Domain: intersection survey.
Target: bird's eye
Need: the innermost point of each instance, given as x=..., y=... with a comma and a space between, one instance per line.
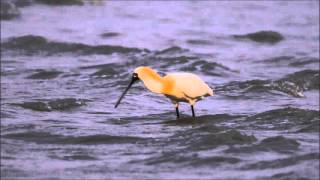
x=135, y=75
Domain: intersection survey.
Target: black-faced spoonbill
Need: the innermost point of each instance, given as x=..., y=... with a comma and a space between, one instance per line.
x=178, y=87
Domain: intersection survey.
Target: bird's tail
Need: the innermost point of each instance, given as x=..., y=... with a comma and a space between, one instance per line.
x=210, y=91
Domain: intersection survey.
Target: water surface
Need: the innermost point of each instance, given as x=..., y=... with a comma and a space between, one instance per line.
x=63, y=68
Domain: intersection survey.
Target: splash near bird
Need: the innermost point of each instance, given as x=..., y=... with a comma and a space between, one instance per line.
x=178, y=87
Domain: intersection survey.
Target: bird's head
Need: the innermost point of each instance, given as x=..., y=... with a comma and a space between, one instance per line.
x=145, y=74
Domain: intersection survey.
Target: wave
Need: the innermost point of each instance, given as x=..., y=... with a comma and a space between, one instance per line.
x=163, y=64
x=200, y=42
x=277, y=143
x=110, y=34
x=245, y=89
x=33, y=45
x=292, y=84
x=299, y=120
x=206, y=119
x=203, y=137
x=45, y=74
x=82, y=157
x=289, y=175
x=179, y=60
x=187, y=160
x=208, y=68
x=107, y=70
x=9, y=10
x=66, y=2
x=281, y=163
x=57, y=104
x=306, y=79
x=291, y=61
x=174, y=56
x=185, y=60
x=171, y=50
x=20, y=3
x=289, y=119
x=48, y=138
x=214, y=161
x=210, y=136
x=262, y=36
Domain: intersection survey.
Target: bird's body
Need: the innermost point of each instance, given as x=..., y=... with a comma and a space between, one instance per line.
x=178, y=87
x=186, y=87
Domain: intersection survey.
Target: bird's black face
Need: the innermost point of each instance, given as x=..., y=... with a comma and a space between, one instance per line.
x=133, y=79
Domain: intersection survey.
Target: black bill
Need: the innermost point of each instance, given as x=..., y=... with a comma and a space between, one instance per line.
x=134, y=79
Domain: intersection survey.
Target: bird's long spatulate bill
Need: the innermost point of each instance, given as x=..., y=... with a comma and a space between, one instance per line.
x=124, y=93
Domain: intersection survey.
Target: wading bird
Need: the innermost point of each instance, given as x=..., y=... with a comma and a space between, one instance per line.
x=178, y=87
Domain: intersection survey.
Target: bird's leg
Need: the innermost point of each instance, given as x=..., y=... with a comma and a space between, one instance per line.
x=177, y=110
x=193, y=115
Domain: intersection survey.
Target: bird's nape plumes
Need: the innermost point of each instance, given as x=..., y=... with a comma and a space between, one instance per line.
x=210, y=92
x=150, y=78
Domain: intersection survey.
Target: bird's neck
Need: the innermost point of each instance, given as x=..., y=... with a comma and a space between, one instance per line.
x=153, y=81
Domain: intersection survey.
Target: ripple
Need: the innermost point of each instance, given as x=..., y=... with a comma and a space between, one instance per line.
x=57, y=104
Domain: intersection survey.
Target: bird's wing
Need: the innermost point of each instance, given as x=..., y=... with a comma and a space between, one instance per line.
x=191, y=85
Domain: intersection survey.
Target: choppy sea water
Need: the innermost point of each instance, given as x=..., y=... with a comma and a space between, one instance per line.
x=63, y=68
